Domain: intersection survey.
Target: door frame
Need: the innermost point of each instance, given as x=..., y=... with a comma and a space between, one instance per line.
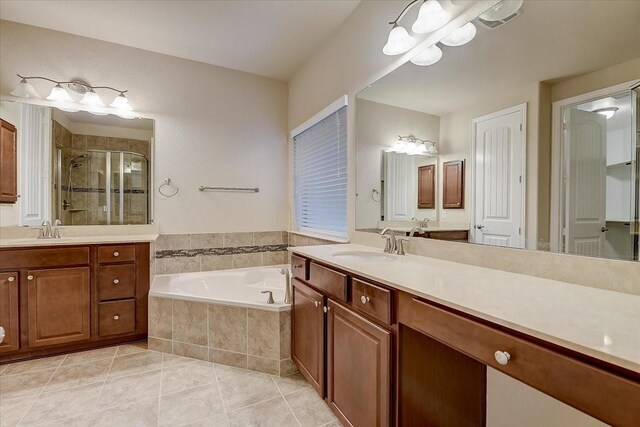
x=557, y=157
x=522, y=109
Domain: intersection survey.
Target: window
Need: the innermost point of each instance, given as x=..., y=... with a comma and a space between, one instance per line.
x=320, y=175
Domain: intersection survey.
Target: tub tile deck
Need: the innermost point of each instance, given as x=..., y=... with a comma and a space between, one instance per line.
x=146, y=388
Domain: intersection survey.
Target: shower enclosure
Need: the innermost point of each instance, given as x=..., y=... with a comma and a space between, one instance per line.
x=94, y=187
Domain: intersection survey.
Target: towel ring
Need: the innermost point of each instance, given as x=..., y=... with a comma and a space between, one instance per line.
x=167, y=183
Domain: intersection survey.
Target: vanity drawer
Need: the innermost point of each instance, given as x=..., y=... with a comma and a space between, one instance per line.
x=116, y=253
x=44, y=257
x=117, y=317
x=329, y=281
x=116, y=281
x=300, y=267
x=602, y=394
x=371, y=299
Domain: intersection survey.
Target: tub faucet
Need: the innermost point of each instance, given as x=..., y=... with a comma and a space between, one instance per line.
x=287, y=284
x=270, y=297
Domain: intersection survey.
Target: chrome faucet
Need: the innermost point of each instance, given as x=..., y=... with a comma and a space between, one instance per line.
x=56, y=231
x=287, y=284
x=45, y=231
x=414, y=230
x=390, y=246
x=424, y=223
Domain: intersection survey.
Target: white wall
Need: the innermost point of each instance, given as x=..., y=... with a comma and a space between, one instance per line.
x=10, y=213
x=378, y=127
x=213, y=126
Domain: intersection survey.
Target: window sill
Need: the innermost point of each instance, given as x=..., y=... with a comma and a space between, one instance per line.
x=320, y=236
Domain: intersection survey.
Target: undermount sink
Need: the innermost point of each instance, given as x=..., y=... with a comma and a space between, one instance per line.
x=365, y=256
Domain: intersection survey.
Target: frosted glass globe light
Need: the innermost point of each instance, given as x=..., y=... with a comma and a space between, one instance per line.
x=429, y=56
x=431, y=16
x=399, y=41
x=121, y=103
x=25, y=90
x=91, y=99
x=58, y=94
x=461, y=36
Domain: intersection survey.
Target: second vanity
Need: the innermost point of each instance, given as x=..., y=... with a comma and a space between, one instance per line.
x=407, y=340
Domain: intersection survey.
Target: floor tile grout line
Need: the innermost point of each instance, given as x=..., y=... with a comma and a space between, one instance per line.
x=41, y=390
x=254, y=404
x=286, y=402
x=162, y=376
x=224, y=405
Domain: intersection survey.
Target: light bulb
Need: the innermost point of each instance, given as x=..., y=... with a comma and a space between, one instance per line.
x=25, y=90
x=429, y=56
x=461, y=36
x=121, y=103
x=399, y=41
x=502, y=10
x=91, y=99
x=430, y=17
x=58, y=94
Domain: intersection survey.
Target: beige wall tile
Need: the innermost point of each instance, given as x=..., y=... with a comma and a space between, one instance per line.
x=228, y=328
x=274, y=258
x=247, y=260
x=160, y=316
x=228, y=358
x=190, y=350
x=262, y=364
x=173, y=241
x=160, y=264
x=207, y=240
x=190, y=322
x=269, y=238
x=158, y=344
x=232, y=240
x=263, y=333
x=216, y=262
x=181, y=265
x=285, y=334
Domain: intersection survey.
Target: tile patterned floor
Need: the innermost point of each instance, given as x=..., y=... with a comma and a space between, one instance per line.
x=129, y=385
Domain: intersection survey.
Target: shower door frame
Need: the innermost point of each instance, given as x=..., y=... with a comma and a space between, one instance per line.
x=107, y=189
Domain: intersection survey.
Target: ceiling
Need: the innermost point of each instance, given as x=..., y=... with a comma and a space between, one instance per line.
x=266, y=37
x=550, y=41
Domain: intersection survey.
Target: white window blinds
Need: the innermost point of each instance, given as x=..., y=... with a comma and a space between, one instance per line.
x=320, y=176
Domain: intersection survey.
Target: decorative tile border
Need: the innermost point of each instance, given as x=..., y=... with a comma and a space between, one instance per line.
x=100, y=190
x=189, y=253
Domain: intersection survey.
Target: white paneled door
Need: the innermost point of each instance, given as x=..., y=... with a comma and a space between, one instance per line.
x=586, y=158
x=498, y=175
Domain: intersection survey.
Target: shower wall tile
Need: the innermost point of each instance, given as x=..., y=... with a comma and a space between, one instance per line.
x=78, y=141
x=216, y=262
x=182, y=265
x=274, y=258
x=247, y=260
x=118, y=144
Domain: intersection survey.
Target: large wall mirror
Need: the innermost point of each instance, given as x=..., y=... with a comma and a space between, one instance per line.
x=525, y=137
x=81, y=168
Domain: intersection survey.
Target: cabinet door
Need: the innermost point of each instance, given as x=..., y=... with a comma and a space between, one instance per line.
x=9, y=311
x=358, y=368
x=307, y=334
x=8, y=163
x=426, y=187
x=453, y=185
x=58, y=301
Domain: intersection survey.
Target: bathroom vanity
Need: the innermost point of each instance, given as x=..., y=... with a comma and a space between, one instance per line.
x=61, y=295
x=407, y=340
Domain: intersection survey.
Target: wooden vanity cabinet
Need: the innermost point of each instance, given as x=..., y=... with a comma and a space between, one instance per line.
x=63, y=298
x=9, y=309
x=8, y=163
x=344, y=350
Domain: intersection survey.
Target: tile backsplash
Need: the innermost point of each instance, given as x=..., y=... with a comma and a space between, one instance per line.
x=182, y=253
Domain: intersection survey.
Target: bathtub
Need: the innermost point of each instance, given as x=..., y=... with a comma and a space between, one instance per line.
x=239, y=287
x=222, y=317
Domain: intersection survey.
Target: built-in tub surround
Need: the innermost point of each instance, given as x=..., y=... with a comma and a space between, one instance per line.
x=223, y=317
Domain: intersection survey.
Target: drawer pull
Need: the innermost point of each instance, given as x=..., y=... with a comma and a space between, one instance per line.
x=11, y=279
x=116, y=317
x=317, y=303
x=364, y=299
x=30, y=277
x=116, y=253
x=502, y=357
x=295, y=266
x=116, y=281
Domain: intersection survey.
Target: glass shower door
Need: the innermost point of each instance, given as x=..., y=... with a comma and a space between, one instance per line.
x=135, y=189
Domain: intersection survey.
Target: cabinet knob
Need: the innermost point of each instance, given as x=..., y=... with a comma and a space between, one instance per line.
x=116, y=281
x=502, y=357
x=11, y=279
x=364, y=299
x=30, y=277
x=295, y=266
x=317, y=303
x=326, y=309
x=116, y=253
x=116, y=317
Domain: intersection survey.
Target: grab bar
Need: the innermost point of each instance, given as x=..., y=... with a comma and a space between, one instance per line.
x=230, y=189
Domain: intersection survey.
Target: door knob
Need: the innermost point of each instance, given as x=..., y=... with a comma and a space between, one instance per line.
x=604, y=229
x=116, y=317
x=502, y=357
x=326, y=309
x=479, y=227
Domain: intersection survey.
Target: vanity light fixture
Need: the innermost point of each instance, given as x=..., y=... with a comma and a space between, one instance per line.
x=429, y=56
x=431, y=16
x=399, y=41
x=462, y=35
x=414, y=146
x=608, y=112
x=90, y=98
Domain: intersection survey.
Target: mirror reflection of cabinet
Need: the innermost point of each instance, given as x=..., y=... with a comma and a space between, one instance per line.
x=453, y=185
x=8, y=163
x=426, y=187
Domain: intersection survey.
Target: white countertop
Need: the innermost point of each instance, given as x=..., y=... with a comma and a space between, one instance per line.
x=599, y=323
x=76, y=240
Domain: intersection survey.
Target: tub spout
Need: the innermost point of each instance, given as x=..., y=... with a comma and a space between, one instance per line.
x=287, y=285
